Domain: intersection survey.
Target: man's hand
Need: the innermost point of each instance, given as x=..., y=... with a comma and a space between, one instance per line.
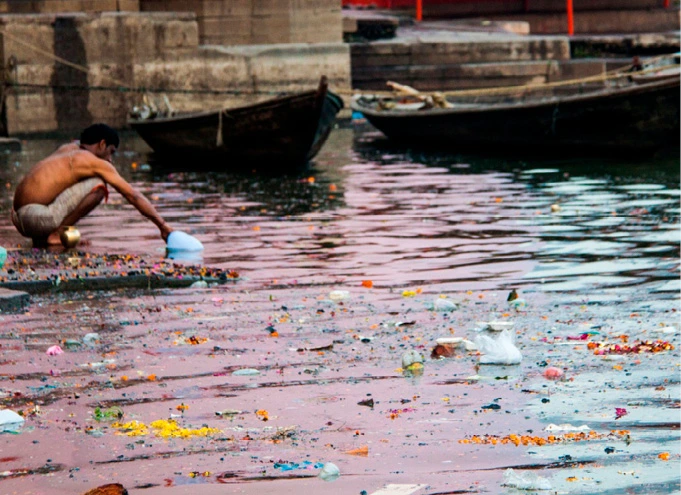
x=165, y=231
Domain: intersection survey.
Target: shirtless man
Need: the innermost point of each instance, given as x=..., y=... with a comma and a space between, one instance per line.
x=67, y=185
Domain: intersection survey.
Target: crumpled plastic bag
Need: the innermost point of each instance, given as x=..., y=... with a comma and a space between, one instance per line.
x=498, y=351
x=525, y=481
x=10, y=421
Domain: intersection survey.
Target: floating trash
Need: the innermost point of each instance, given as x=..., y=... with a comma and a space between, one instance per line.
x=444, y=305
x=647, y=346
x=566, y=427
x=228, y=412
x=329, y=472
x=339, y=295
x=91, y=339
x=55, y=350
x=412, y=359
x=525, y=481
x=517, y=440
x=553, y=373
x=498, y=351
x=108, y=414
x=10, y=421
x=495, y=326
x=290, y=466
x=246, y=372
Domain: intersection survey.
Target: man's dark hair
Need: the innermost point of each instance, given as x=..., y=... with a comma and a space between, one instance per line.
x=96, y=132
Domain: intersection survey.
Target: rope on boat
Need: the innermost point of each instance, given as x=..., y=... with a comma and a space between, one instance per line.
x=218, y=138
x=124, y=87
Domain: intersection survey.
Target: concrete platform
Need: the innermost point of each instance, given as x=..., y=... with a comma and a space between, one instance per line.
x=12, y=300
x=37, y=271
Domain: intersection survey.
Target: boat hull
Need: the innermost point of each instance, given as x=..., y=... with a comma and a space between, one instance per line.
x=636, y=117
x=281, y=134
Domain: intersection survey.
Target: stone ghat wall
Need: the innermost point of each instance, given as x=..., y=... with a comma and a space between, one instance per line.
x=247, y=22
x=142, y=50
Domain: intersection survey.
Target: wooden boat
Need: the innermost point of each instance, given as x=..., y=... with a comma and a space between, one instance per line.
x=277, y=135
x=625, y=116
x=663, y=68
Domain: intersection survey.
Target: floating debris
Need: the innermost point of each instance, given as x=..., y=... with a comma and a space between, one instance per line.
x=647, y=346
x=539, y=441
x=163, y=428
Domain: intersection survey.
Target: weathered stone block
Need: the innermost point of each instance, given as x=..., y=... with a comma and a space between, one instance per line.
x=267, y=29
x=271, y=8
x=30, y=112
x=306, y=28
x=221, y=8
x=577, y=69
x=225, y=30
x=29, y=39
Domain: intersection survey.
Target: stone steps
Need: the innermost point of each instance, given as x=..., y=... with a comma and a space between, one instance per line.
x=468, y=62
x=474, y=75
x=617, y=21
x=447, y=50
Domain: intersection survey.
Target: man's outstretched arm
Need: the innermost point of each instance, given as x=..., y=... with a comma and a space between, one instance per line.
x=111, y=176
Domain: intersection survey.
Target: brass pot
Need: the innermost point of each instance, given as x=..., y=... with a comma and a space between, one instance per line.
x=69, y=237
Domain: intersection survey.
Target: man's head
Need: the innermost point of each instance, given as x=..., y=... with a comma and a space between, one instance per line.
x=101, y=140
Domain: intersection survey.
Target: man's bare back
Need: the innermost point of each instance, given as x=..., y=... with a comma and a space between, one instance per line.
x=49, y=177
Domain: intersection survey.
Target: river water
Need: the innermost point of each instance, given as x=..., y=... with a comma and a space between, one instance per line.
x=590, y=244
x=401, y=217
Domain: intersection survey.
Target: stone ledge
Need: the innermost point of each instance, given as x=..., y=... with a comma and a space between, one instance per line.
x=10, y=144
x=37, y=271
x=12, y=300
x=101, y=283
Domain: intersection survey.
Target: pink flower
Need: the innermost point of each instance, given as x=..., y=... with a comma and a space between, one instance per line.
x=553, y=373
x=54, y=351
x=619, y=412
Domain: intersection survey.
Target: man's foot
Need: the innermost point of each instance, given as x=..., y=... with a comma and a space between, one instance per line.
x=53, y=239
x=43, y=242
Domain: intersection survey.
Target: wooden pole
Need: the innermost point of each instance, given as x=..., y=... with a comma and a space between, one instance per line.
x=570, y=18
x=419, y=10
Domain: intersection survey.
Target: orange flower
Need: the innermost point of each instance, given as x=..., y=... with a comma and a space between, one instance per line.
x=664, y=456
x=367, y=283
x=182, y=407
x=151, y=378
